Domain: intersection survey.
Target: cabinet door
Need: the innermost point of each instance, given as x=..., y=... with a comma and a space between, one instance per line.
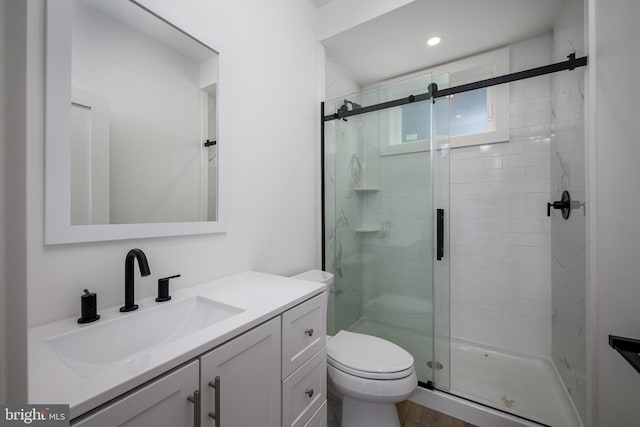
x=160, y=403
x=248, y=368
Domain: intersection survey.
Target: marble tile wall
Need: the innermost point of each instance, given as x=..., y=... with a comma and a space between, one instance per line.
x=568, y=244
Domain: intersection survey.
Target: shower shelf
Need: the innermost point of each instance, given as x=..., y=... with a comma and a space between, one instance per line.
x=366, y=189
x=368, y=229
x=628, y=348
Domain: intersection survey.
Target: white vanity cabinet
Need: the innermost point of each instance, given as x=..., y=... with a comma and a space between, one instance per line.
x=163, y=402
x=240, y=380
x=273, y=375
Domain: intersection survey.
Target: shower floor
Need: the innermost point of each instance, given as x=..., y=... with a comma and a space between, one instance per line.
x=520, y=384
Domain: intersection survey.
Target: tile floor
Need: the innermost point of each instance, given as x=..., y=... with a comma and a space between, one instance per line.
x=414, y=415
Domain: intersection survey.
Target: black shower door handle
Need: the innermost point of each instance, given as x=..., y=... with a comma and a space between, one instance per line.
x=439, y=234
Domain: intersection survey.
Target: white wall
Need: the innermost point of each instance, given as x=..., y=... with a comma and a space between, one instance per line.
x=337, y=82
x=13, y=304
x=155, y=146
x=615, y=271
x=500, y=269
x=269, y=107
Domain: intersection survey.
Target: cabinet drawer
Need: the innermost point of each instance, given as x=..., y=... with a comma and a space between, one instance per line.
x=304, y=392
x=319, y=419
x=304, y=332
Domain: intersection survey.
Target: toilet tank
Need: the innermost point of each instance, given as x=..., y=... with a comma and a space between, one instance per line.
x=326, y=278
x=316, y=276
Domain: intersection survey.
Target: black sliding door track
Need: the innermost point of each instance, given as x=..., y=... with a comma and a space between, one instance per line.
x=569, y=64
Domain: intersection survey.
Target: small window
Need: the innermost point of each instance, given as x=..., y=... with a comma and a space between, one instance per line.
x=476, y=117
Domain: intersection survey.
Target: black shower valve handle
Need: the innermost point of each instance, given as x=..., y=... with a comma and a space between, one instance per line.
x=555, y=205
x=564, y=204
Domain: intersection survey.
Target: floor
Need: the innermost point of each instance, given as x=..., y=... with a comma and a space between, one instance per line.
x=413, y=415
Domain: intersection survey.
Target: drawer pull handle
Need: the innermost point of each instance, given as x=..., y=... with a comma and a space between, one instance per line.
x=215, y=414
x=309, y=392
x=309, y=331
x=195, y=399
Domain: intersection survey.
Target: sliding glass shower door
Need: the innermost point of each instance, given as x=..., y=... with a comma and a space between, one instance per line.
x=386, y=222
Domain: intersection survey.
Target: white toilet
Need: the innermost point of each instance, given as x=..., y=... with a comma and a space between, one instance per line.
x=369, y=374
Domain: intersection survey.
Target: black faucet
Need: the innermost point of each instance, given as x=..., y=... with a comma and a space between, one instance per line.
x=128, y=277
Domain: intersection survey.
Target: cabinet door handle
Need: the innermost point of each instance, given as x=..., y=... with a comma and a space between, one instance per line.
x=309, y=392
x=195, y=399
x=309, y=331
x=215, y=414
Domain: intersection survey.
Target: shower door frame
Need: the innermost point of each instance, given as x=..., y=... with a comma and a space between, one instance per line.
x=434, y=93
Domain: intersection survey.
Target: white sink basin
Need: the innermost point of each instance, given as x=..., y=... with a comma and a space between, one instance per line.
x=94, y=348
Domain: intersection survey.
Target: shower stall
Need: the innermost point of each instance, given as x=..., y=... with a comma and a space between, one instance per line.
x=388, y=209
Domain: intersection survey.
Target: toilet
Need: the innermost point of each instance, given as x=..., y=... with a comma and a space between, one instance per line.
x=368, y=374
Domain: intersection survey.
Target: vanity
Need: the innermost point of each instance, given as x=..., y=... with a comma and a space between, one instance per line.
x=246, y=350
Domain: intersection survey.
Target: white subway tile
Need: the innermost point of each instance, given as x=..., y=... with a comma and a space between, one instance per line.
x=462, y=249
x=536, y=118
x=489, y=175
x=476, y=188
x=538, y=172
x=538, y=145
x=470, y=238
x=526, y=160
x=501, y=148
x=527, y=186
x=476, y=164
x=526, y=239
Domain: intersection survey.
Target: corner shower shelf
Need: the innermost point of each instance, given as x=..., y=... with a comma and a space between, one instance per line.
x=368, y=229
x=628, y=348
x=365, y=190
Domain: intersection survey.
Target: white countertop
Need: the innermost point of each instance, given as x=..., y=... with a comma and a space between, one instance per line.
x=261, y=296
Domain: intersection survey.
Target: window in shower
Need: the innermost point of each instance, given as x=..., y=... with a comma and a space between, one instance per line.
x=469, y=116
x=475, y=117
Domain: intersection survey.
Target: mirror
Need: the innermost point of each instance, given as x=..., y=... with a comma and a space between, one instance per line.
x=132, y=141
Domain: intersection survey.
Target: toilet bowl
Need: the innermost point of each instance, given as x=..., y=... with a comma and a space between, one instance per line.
x=369, y=375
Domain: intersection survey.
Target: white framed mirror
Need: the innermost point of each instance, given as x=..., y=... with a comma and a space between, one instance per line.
x=132, y=125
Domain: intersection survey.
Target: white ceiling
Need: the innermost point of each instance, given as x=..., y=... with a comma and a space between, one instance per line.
x=395, y=43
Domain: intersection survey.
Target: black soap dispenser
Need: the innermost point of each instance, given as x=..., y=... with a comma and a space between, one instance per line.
x=163, y=288
x=88, y=307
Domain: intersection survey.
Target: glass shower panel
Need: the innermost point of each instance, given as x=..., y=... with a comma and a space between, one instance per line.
x=398, y=291
x=380, y=220
x=440, y=130
x=344, y=240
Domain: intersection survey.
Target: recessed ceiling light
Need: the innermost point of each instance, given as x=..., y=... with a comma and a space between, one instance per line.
x=433, y=41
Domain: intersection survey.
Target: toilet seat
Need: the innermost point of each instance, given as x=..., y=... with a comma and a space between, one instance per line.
x=370, y=375
x=366, y=356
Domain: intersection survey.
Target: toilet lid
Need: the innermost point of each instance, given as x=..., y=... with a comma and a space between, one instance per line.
x=366, y=353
